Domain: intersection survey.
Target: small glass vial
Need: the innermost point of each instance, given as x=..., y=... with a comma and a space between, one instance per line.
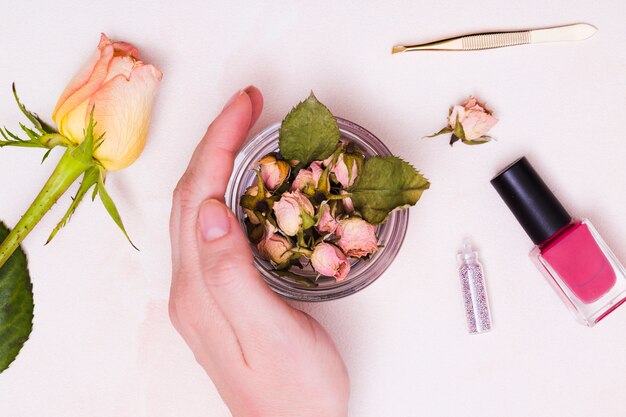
x=474, y=290
x=573, y=257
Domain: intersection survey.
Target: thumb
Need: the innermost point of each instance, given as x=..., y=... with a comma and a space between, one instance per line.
x=229, y=273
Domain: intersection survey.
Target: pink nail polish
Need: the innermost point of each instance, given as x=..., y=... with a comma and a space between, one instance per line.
x=571, y=254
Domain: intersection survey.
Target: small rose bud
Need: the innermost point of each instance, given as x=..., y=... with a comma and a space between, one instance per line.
x=475, y=118
x=274, y=246
x=328, y=260
x=273, y=171
x=307, y=179
x=357, y=237
x=327, y=222
x=346, y=170
x=348, y=206
x=289, y=209
x=250, y=205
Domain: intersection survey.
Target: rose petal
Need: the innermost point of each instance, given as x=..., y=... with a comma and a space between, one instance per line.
x=123, y=114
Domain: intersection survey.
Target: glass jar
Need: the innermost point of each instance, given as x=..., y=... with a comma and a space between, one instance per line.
x=362, y=272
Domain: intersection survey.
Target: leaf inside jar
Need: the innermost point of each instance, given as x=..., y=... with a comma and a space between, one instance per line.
x=309, y=132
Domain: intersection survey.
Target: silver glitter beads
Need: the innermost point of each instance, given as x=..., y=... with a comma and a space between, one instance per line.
x=474, y=291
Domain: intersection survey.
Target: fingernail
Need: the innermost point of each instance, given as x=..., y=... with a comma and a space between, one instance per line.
x=213, y=220
x=233, y=98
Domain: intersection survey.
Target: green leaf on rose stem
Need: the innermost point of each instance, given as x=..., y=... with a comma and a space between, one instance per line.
x=443, y=131
x=90, y=178
x=11, y=139
x=84, y=151
x=475, y=142
x=16, y=304
x=111, y=209
x=46, y=155
x=309, y=132
x=39, y=124
x=386, y=183
x=307, y=220
x=458, y=129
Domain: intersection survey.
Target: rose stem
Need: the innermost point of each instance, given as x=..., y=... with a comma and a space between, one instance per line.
x=64, y=175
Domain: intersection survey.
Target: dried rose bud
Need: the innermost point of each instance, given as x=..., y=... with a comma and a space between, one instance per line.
x=328, y=260
x=273, y=171
x=253, y=216
x=274, y=246
x=347, y=203
x=327, y=222
x=346, y=169
x=307, y=179
x=475, y=118
x=289, y=211
x=357, y=237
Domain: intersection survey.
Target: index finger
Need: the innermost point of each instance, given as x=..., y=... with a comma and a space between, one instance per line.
x=211, y=165
x=213, y=159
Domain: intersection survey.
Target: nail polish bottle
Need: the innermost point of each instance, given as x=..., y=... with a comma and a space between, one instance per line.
x=571, y=254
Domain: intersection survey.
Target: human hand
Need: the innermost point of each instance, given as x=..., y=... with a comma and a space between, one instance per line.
x=265, y=357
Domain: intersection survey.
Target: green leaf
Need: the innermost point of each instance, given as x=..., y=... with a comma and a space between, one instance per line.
x=84, y=151
x=309, y=132
x=11, y=139
x=443, y=131
x=386, y=183
x=90, y=178
x=16, y=304
x=39, y=124
x=458, y=129
x=475, y=142
x=307, y=220
x=111, y=209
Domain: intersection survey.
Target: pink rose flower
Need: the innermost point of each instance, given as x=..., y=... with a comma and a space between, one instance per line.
x=348, y=206
x=345, y=176
x=327, y=222
x=289, y=209
x=274, y=246
x=328, y=260
x=308, y=178
x=121, y=90
x=273, y=171
x=357, y=237
x=475, y=118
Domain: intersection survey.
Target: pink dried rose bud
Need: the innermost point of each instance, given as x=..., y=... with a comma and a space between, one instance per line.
x=328, y=260
x=273, y=171
x=475, y=118
x=348, y=206
x=289, y=210
x=357, y=237
x=345, y=175
x=327, y=222
x=274, y=246
x=307, y=179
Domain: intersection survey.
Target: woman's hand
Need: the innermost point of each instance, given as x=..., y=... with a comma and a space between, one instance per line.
x=265, y=357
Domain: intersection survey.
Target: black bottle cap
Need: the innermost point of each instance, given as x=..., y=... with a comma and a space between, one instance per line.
x=531, y=201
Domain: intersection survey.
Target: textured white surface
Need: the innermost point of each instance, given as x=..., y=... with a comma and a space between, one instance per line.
x=102, y=344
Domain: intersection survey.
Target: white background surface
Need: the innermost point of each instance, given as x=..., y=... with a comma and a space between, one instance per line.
x=102, y=343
